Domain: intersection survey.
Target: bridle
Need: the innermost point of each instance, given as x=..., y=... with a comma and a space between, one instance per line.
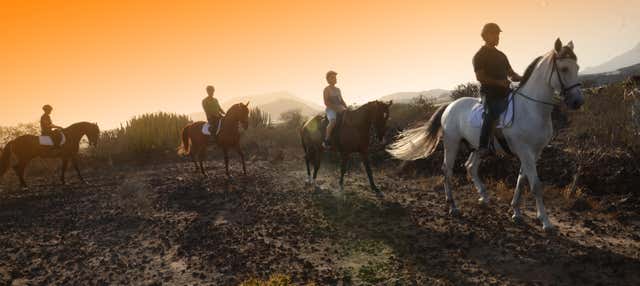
x=564, y=89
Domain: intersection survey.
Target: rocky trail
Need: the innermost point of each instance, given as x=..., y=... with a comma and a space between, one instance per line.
x=166, y=225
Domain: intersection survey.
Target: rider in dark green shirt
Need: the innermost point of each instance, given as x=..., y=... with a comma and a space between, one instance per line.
x=47, y=128
x=213, y=110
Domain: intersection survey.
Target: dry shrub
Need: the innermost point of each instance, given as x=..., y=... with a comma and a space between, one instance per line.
x=274, y=280
x=606, y=120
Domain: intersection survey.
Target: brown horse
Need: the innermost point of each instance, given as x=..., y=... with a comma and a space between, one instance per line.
x=228, y=137
x=27, y=147
x=353, y=137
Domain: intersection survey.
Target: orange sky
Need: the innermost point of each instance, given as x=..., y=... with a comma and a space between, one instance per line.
x=105, y=61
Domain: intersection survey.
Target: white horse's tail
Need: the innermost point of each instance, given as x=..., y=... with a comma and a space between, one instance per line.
x=418, y=142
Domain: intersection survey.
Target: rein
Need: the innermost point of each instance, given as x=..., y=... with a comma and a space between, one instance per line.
x=563, y=91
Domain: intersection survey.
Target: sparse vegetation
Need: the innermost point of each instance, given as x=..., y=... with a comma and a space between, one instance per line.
x=469, y=89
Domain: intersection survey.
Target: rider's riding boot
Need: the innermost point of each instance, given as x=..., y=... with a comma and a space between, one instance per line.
x=485, y=135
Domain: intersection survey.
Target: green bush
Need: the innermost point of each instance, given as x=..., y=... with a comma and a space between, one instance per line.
x=144, y=135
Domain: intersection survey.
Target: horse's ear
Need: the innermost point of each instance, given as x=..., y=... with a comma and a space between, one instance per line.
x=390, y=103
x=558, y=45
x=570, y=45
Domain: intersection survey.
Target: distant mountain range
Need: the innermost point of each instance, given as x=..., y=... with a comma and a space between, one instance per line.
x=274, y=103
x=439, y=96
x=598, y=79
x=628, y=58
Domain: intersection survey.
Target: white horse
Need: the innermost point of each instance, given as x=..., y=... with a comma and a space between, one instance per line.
x=530, y=132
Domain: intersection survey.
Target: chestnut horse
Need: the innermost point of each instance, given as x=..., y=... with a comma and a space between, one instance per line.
x=228, y=137
x=353, y=137
x=27, y=147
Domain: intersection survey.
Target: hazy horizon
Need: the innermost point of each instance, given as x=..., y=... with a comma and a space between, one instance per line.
x=107, y=62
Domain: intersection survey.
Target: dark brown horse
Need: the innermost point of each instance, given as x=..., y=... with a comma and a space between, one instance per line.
x=353, y=137
x=228, y=137
x=27, y=147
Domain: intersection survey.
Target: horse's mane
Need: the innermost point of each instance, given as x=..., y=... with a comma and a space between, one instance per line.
x=234, y=106
x=529, y=71
x=79, y=124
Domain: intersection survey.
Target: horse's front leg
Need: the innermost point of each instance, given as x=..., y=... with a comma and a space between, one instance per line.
x=74, y=161
x=517, y=197
x=63, y=170
x=367, y=167
x=244, y=168
x=226, y=161
x=202, y=156
x=530, y=171
x=344, y=159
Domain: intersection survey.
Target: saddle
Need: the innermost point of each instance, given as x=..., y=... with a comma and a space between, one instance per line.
x=46, y=140
x=505, y=120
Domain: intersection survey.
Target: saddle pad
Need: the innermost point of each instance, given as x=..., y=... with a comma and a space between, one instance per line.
x=205, y=128
x=506, y=117
x=47, y=141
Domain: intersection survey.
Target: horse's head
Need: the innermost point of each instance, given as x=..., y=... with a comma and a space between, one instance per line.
x=239, y=112
x=564, y=75
x=93, y=133
x=380, y=117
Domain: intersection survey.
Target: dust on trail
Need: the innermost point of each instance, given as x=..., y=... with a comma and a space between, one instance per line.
x=165, y=225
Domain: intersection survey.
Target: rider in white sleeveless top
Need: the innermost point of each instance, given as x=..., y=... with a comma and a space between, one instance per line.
x=334, y=105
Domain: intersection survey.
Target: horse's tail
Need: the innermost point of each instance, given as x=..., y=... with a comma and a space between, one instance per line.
x=183, y=150
x=5, y=160
x=419, y=142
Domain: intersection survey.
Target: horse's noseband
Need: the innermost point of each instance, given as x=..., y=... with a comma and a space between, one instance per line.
x=564, y=89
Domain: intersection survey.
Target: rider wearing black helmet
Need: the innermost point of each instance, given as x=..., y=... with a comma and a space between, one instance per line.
x=493, y=71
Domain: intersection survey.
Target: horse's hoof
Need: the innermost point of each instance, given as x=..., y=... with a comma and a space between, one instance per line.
x=549, y=229
x=484, y=201
x=454, y=212
x=517, y=219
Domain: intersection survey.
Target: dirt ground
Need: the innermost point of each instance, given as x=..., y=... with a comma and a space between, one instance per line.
x=166, y=225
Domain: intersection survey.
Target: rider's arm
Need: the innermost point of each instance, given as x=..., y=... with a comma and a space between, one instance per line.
x=486, y=80
x=514, y=76
x=342, y=101
x=220, y=110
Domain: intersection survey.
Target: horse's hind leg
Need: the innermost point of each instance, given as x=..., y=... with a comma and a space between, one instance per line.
x=472, y=165
x=317, y=159
x=19, y=170
x=63, y=170
x=450, y=151
x=517, y=197
x=307, y=155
